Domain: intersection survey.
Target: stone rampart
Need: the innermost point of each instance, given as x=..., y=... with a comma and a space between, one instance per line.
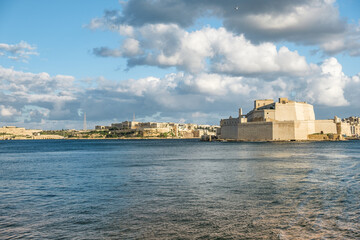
x=325, y=126
x=256, y=131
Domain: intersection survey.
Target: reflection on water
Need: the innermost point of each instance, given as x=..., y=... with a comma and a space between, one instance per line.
x=181, y=189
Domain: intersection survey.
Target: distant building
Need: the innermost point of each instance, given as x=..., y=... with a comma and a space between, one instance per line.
x=12, y=132
x=354, y=125
x=154, y=129
x=125, y=125
x=282, y=120
x=101, y=127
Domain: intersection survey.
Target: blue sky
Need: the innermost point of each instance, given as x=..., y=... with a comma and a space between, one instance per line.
x=180, y=61
x=64, y=45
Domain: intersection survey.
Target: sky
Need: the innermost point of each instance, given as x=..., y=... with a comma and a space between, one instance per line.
x=179, y=61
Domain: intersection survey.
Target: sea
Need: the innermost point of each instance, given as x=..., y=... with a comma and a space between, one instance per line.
x=179, y=189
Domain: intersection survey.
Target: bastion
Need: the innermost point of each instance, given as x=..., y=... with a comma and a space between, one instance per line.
x=284, y=120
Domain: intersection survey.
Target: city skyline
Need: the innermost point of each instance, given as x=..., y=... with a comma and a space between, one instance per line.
x=173, y=61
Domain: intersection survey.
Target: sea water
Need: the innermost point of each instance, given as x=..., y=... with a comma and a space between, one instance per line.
x=179, y=189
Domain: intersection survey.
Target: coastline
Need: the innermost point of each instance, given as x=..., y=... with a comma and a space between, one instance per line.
x=132, y=138
x=215, y=140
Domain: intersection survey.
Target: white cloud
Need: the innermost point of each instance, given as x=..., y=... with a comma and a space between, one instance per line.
x=219, y=64
x=19, y=90
x=208, y=49
x=107, y=52
x=351, y=90
x=8, y=111
x=348, y=42
x=204, y=97
x=328, y=87
x=216, y=85
x=20, y=51
x=199, y=115
x=96, y=23
x=131, y=47
x=309, y=22
x=109, y=22
x=12, y=80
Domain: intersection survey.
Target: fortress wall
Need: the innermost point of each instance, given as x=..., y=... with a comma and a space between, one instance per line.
x=48, y=137
x=261, y=103
x=18, y=131
x=304, y=111
x=12, y=130
x=285, y=112
x=294, y=111
x=256, y=116
x=303, y=129
x=229, y=132
x=283, y=130
x=288, y=121
x=256, y=131
x=325, y=126
x=269, y=114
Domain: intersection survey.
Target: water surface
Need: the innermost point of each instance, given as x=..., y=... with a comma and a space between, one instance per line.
x=179, y=189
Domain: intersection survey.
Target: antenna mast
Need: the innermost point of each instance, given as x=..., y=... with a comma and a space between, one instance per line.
x=85, y=121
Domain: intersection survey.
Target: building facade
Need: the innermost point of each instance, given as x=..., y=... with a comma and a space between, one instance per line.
x=12, y=132
x=279, y=121
x=154, y=129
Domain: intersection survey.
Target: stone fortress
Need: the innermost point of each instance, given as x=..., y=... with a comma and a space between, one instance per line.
x=19, y=133
x=12, y=132
x=284, y=120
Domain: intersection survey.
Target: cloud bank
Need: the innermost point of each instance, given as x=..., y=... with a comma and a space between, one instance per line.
x=217, y=69
x=41, y=98
x=205, y=50
x=309, y=22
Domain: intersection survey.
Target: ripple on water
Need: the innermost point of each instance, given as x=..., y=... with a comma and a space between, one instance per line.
x=179, y=190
